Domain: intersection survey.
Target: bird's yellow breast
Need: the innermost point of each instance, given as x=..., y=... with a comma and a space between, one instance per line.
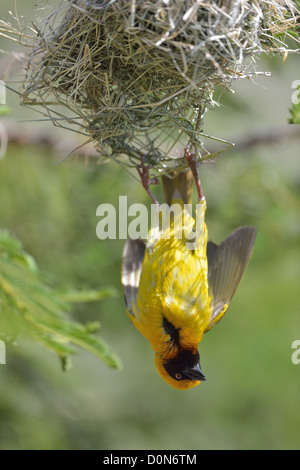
x=173, y=285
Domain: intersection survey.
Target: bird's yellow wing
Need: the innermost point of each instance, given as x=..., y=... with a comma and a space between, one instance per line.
x=226, y=266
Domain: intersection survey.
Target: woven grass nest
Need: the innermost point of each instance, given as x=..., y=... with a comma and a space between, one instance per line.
x=136, y=76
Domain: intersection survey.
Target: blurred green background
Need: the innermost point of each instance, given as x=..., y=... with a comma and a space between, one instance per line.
x=251, y=397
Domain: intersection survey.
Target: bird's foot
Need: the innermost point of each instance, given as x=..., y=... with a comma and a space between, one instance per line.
x=144, y=174
x=191, y=159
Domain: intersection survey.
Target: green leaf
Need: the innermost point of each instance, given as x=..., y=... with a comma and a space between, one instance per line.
x=89, y=295
x=31, y=308
x=295, y=110
x=4, y=110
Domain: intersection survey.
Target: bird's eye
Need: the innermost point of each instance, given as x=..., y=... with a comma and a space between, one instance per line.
x=178, y=376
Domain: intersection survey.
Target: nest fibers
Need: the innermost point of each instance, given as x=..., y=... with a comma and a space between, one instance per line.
x=136, y=76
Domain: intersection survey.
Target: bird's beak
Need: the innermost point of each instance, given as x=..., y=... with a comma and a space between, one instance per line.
x=194, y=373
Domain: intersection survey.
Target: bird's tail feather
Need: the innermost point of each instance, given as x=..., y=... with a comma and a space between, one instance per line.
x=182, y=183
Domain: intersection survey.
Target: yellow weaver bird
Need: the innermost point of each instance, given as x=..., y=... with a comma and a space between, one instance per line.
x=174, y=293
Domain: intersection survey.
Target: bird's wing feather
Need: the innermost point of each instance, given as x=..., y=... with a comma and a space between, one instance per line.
x=210, y=252
x=133, y=256
x=226, y=266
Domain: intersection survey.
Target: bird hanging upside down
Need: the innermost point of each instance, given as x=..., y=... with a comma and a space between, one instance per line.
x=174, y=293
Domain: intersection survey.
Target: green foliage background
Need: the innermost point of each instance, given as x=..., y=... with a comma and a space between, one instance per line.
x=251, y=397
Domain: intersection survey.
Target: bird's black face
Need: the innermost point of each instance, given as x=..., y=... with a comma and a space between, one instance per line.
x=185, y=366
